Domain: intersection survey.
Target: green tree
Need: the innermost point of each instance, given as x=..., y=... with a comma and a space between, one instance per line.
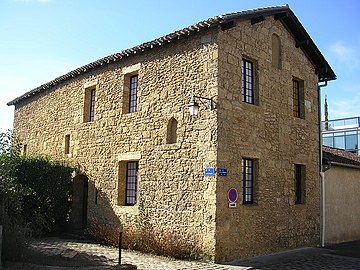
x=11, y=195
x=47, y=203
x=35, y=191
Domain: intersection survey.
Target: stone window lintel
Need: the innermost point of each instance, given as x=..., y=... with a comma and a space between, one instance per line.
x=91, y=84
x=131, y=69
x=129, y=156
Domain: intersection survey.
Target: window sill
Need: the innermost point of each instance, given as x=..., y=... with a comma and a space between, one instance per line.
x=249, y=204
x=129, y=113
x=127, y=209
x=88, y=122
x=251, y=107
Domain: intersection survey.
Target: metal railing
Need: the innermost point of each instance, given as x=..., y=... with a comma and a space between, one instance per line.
x=342, y=123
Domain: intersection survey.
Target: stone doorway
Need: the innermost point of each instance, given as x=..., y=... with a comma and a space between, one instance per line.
x=78, y=216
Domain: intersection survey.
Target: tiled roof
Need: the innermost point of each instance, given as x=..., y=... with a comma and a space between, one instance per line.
x=340, y=156
x=284, y=13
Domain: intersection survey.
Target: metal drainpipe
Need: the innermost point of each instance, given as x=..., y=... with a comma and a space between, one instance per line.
x=322, y=175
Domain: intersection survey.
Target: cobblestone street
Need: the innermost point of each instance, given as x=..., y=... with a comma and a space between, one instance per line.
x=59, y=254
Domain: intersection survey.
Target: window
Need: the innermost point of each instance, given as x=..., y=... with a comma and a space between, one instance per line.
x=133, y=93
x=92, y=105
x=130, y=93
x=24, y=150
x=348, y=140
x=67, y=144
x=89, y=105
x=128, y=178
x=248, y=181
x=351, y=142
x=247, y=72
x=299, y=184
x=171, y=131
x=276, y=51
x=339, y=140
x=131, y=182
x=328, y=140
x=96, y=196
x=298, y=99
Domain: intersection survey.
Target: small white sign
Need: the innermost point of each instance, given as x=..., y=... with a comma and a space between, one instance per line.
x=232, y=205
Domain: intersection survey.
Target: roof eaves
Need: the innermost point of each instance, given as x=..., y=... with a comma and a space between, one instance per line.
x=247, y=14
x=296, y=29
x=305, y=42
x=287, y=17
x=340, y=156
x=206, y=24
x=345, y=165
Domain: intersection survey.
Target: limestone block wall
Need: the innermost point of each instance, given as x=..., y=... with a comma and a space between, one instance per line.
x=268, y=133
x=174, y=197
x=342, y=204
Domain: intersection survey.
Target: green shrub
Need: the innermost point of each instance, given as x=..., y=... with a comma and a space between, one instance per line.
x=11, y=194
x=46, y=204
x=35, y=191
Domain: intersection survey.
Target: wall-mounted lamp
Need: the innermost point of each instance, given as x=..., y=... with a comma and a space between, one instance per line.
x=194, y=106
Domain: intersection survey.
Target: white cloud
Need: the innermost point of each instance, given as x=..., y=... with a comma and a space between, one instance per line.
x=346, y=106
x=341, y=50
x=345, y=54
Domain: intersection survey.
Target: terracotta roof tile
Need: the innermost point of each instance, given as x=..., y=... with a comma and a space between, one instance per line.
x=340, y=156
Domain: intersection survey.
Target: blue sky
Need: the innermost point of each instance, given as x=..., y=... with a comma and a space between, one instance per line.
x=43, y=39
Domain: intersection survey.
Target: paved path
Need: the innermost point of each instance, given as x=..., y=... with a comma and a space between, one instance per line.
x=61, y=254
x=95, y=256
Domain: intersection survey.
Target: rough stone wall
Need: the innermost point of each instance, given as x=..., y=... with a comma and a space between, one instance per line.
x=175, y=200
x=342, y=204
x=270, y=134
x=174, y=196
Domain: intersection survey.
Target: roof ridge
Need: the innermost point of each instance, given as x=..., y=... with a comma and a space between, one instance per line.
x=342, y=154
x=286, y=6
x=212, y=21
x=194, y=28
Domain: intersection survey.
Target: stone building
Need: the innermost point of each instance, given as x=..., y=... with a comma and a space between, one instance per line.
x=143, y=159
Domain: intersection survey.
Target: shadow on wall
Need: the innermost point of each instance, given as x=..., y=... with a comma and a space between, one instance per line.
x=93, y=214
x=78, y=215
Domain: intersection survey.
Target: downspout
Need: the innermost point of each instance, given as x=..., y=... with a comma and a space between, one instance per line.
x=322, y=174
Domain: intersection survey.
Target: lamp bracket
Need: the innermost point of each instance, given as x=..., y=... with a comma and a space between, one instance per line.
x=211, y=101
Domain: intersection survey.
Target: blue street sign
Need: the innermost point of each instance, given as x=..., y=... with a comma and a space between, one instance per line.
x=209, y=171
x=222, y=172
